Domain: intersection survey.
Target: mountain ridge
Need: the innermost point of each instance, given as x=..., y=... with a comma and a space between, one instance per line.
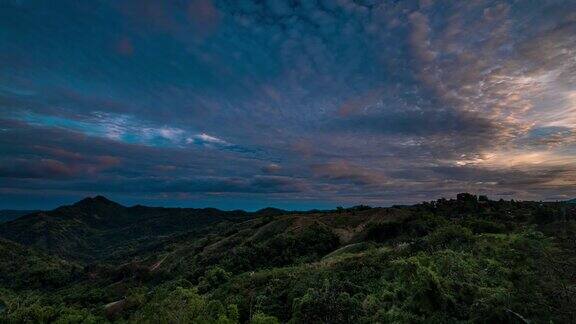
x=467, y=259
x=95, y=225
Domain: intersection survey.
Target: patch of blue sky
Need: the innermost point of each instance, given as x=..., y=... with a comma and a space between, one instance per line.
x=119, y=128
x=125, y=129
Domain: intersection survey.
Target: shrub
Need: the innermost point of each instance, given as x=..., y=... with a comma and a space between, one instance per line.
x=450, y=236
x=212, y=279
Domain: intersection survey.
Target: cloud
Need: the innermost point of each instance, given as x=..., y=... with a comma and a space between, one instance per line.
x=125, y=47
x=419, y=122
x=127, y=129
x=205, y=139
x=550, y=137
x=196, y=185
x=204, y=16
x=345, y=171
x=271, y=168
x=44, y=168
x=333, y=101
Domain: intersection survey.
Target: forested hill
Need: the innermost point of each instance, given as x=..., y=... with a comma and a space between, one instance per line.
x=467, y=259
x=96, y=228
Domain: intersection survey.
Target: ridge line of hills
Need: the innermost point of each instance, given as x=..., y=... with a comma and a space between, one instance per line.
x=7, y=215
x=467, y=259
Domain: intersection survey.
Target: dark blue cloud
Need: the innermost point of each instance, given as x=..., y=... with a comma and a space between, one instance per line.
x=291, y=103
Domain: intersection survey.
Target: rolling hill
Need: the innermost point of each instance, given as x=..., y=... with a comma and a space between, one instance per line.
x=457, y=260
x=30, y=268
x=96, y=228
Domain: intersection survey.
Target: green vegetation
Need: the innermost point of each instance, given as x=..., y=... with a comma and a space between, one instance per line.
x=448, y=261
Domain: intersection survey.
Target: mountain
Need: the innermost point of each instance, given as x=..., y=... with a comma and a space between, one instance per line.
x=450, y=260
x=7, y=215
x=96, y=227
x=270, y=211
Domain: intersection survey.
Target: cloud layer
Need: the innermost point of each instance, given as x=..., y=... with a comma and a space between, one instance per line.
x=242, y=104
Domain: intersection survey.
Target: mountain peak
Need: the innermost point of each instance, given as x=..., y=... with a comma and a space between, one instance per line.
x=270, y=211
x=96, y=200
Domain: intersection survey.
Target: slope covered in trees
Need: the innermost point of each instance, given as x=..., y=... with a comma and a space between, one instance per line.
x=461, y=260
x=97, y=228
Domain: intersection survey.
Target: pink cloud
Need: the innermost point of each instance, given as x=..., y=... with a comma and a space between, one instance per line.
x=125, y=47
x=204, y=17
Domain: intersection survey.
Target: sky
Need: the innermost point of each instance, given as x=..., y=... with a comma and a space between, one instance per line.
x=293, y=104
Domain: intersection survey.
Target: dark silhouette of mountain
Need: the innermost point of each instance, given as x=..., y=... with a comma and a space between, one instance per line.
x=7, y=215
x=270, y=211
x=96, y=227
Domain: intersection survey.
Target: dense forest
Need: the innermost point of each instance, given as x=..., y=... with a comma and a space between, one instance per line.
x=467, y=259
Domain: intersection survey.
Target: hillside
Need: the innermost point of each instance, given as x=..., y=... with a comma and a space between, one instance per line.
x=446, y=261
x=97, y=228
x=24, y=267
